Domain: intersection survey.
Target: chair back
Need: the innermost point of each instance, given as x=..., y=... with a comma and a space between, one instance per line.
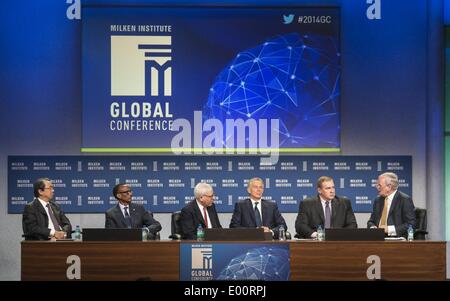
x=421, y=224
x=157, y=236
x=175, y=225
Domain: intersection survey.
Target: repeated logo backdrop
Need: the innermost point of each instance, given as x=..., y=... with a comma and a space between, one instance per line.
x=83, y=184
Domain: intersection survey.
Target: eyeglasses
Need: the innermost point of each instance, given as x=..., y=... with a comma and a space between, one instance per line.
x=126, y=191
x=51, y=187
x=209, y=196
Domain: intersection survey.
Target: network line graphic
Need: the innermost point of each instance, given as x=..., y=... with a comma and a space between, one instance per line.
x=258, y=264
x=294, y=78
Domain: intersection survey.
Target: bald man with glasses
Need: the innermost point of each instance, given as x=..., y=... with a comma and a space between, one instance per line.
x=130, y=215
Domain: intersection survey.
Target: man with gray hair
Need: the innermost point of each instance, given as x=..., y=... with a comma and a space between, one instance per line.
x=255, y=212
x=393, y=210
x=200, y=211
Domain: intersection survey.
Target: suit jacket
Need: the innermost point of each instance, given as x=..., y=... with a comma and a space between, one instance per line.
x=139, y=218
x=244, y=216
x=191, y=217
x=35, y=220
x=401, y=213
x=310, y=215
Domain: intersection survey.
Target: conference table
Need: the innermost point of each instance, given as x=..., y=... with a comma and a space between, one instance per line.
x=160, y=260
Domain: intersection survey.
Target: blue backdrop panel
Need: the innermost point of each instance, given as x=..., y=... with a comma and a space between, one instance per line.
x=228, y=261
x=165, y=183
x=144, y=67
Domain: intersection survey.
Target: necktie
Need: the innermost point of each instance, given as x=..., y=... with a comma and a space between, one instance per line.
x=205, y=217
x=383, y=219
x=53, y=218
x=257, y=216
x=327, y=215
x=127, y=217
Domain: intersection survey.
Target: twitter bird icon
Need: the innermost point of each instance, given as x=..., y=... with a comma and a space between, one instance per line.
x=288, y=19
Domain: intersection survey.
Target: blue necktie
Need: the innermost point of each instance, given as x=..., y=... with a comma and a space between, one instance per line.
x=127, y=217
x=257, y=216
x=327, y=215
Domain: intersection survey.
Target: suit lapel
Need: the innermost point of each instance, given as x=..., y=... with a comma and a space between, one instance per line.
x=335, y=205
x=212, y=216
x=41, y=210
x=265, y=213
x=251, y=211
x=132, y=214
x=199, y=214
x=39, y=207
x=379, y=209
x=393, y=204
x=118, y=213
x=319, y=209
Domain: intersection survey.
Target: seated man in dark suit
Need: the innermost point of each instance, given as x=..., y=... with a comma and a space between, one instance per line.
x=43, y=218
x=393, y=210
x=129, y=215
x=325, y=209
x=256, y=212
x=200, y=211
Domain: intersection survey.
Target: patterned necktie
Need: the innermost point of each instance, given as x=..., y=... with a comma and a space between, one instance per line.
x=257, y=216
x=205, y=217
x=127, y=217
x=327, y=215
x=53, y=218
x=383, y=219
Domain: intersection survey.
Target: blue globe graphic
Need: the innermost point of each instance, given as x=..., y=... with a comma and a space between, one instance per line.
x=258, y=264
x=294, y=78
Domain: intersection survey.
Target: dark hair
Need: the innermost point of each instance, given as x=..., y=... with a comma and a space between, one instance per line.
x=39, y=185
x=323, y=179
x=116, y=189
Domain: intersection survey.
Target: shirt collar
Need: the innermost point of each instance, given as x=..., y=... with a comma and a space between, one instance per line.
x=391, y=196
x=200, y=206
x=43, y=203
x=255, y=201
x=122, y=206
x=323, y=200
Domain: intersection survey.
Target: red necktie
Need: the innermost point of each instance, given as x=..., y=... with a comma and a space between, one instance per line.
x=205, y=217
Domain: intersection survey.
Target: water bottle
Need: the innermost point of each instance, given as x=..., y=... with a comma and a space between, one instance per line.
x=320, y=233
x=281, y=233
x=77, y=234
x=144, y=233
x=410, y=233
x=200, y=233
